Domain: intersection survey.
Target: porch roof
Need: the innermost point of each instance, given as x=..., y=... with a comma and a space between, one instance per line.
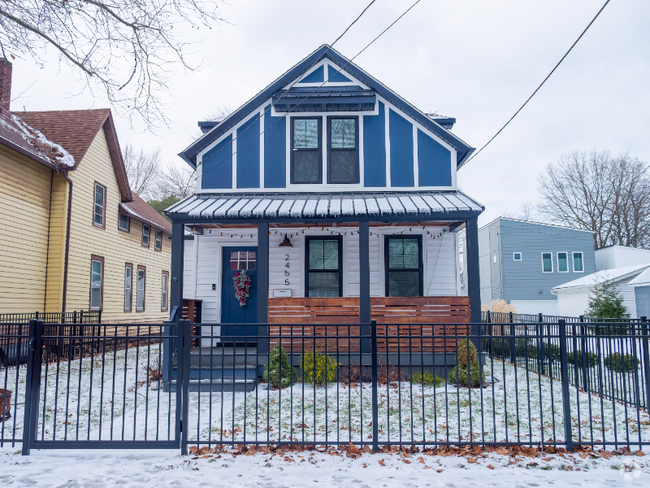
x=276, y=206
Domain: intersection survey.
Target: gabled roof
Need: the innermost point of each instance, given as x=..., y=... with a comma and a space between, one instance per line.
x=75, y=130
x=604, y=276
x=325, y=51
x=642, y=280
x=531, y=222
x=141, y=210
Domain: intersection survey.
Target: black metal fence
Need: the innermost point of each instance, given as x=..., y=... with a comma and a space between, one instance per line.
x=535, y=384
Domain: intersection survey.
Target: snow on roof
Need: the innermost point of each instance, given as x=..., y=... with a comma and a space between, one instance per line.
x=512, y=219
x=642, y=280
x=606, y=275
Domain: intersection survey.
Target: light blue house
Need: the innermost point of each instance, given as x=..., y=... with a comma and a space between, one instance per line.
x=521, y=261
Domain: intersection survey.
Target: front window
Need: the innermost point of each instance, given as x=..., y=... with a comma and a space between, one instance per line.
x=128, y=286
x=158, y=244
x=562, y=262
x=240, y=260
x=578, y=266
x=146, y=231
x=404, y=267
x=343, y=157
x=100, y=205
x=305, y=151
x=547, y=262
x=96, y=282
x=163, y=288
x=324, y=266
x=124, y=223
x=141, y=289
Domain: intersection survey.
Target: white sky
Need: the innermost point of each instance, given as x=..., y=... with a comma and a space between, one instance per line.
x=475, y=60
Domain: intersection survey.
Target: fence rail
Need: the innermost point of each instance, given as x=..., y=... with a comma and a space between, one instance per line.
x=534, y=384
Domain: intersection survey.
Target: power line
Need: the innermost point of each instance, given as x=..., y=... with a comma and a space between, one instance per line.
x=541, y=84
x=312, y=92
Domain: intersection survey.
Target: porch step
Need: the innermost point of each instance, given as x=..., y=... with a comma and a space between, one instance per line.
x=216, y=385
x=222, y=357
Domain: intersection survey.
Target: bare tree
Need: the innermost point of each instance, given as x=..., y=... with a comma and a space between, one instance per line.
x=143, y=170
x=127, y=48
x=178, y=180
x=609, y=195
x=527, y=211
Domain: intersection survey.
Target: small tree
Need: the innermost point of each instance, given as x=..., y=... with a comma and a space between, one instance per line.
x=606, y=302
x=278, y=372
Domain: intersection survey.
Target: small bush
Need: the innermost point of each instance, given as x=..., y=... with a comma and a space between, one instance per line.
x=278, y=372
x=427, y=379
x=500, y=348
x=551, y=351
x=622, y=362
x=317, y=368
x=467, y=377
x=465, y=351
x=576, y=358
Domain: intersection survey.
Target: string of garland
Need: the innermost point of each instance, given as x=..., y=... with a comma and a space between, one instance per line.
x=327, y=230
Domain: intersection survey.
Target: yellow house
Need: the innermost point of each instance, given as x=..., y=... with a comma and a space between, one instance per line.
x=73, y=236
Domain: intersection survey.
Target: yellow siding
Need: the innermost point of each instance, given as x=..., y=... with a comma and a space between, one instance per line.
x=55, y=261
x=117, y=248
x=24, y=220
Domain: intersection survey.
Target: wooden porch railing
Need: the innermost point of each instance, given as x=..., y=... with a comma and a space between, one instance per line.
x=412, y=316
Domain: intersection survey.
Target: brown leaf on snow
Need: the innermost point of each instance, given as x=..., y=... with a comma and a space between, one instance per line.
x=382, y=463
x=490, y=466
x=194, y=450
x=406, y=461
x=547, y=459
x=502, y=451
x=421, y=460
x=472, y=460
x=438, y=470
x=640, y=453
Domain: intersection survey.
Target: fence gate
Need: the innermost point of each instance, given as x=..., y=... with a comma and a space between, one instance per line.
x=101, y=386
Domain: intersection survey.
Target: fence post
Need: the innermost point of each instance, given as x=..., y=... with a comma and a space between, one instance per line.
x=540, y=345
x=33, y=385
x=583, y=355
x=375, y=406
x=566, y=401
x=184, y=372
x=513, y=345
x=646, y=359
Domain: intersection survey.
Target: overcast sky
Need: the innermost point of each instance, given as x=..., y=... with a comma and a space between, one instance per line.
x=475, y=60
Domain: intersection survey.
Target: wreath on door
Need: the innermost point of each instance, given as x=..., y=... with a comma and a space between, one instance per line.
x=242, y=287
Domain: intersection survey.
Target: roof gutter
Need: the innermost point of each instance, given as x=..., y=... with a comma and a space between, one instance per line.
x=67, y=245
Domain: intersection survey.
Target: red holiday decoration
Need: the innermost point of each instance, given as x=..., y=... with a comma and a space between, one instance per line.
x=242, y=287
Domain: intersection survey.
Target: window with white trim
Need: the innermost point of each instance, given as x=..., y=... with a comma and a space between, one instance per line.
x=562, y=262
x=578, y=264
x=547, y=262
x=306, y=153
x=141, y=289
x=128, y=287
x=517, y=256
x=96, y=282
x=342, y=150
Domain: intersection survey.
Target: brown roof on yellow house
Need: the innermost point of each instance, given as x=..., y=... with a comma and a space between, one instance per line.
x=141, y=210
x=75, y=130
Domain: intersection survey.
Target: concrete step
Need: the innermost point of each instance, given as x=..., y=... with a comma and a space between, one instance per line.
x=217, y=385
x=224, y=357
x=225, y=374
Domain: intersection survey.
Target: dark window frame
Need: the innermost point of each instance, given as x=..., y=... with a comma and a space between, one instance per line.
x=319, y=150
x=93, y=258
x=148, y=244
x=95, y=224
x=329, y=150
x=130, y=309
x=164, y=307
x=128, y=223
x=155, y=240
x=144, y=289
x=308, y=240
x=420, y=262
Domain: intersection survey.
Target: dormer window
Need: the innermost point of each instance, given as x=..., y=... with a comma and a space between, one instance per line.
x=343, y=155
x=306, y=154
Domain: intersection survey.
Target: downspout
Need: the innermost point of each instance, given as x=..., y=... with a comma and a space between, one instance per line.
x=67, y=244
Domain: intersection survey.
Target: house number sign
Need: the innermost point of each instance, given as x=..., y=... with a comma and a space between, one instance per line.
x=287, y=267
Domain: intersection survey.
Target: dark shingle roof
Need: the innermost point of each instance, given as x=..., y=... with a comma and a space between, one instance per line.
x=141, y=210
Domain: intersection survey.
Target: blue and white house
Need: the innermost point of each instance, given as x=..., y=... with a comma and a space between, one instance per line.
x=337, y=196
x=521, y=261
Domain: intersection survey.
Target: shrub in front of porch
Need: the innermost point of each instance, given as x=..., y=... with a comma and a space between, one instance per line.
x=427, y=379
x=467, y=373
x=278, y=372
x=317, y=368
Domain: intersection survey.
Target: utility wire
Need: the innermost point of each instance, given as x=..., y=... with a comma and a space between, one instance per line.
x=314, y=91
x=541, y=84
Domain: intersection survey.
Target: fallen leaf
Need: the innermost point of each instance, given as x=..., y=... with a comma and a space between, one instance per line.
x=472, y=460
x=490, y=466
x=381, y=462
x=406, y=461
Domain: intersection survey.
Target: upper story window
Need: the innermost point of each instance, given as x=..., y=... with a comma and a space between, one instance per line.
x=125, y=223
x=99, y=216
x=578, y=265
x=517, y=256
x=306, y=154
x=403, y=267
x=547, y=262
x=158, y=243
x=146, y=232
x=343, y=154
x=324, y=267
x=562, y=262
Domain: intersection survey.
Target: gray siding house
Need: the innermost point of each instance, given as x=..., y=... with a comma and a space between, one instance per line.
x=521, y=261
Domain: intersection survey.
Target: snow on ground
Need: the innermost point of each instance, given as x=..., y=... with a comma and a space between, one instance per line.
x=162, y=469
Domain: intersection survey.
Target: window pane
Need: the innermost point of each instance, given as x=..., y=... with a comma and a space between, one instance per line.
x=124, y=222
x=140, y=297
x=324, y=284
x=547, y=263
x=306, y=167
x=305, y=134
x=316, y=254
x=404, y=283
x=95, y=298
x=562, y=262
x=99, y=196
x=577, y=262
x=97, y=273
x=411, y=254
x=343, y=133
x=343, y=166
x=158, y=239
x=331, y=254
x=396, y=253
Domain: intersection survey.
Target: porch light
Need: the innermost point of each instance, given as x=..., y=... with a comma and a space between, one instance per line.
x=286, y=242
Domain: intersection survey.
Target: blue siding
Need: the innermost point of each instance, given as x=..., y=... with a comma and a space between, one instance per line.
x=275, y=151
x=217, y=166
x=316, y=76
x=434, y=162
x=248, y=154
x=374, y=149
x=401, y=151
x=335, y=76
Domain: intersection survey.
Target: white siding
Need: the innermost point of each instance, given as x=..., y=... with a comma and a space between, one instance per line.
x=575, y=303
x=533, y=307
x=189, y=267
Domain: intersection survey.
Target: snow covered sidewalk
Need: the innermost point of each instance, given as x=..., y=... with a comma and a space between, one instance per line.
x=299, y=469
